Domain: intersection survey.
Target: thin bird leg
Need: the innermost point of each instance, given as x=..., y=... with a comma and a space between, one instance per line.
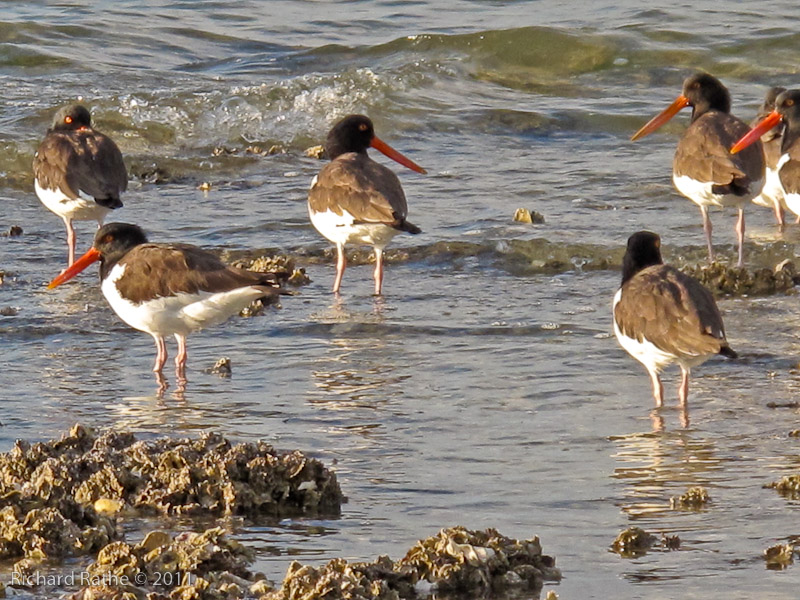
x=707, y=228
x=740, y=235
x=180, y=359
x=341, y=265
x=378, y=275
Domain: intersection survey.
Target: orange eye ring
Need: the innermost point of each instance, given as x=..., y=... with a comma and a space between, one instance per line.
x=67, y=120
x=363, y=127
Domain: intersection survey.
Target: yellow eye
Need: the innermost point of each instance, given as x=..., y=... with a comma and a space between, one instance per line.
x=67, y=120
x=363, y=127
x=789, y=102
x=108, y=239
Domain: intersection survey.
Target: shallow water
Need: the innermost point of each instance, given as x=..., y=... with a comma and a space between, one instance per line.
x=486, y=388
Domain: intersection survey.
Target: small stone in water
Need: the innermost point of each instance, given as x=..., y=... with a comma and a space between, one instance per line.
x=315, y=152
x=523, y=215
x=205, y=186
x=222, y=367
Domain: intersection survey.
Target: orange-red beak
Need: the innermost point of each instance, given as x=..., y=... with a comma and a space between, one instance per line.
x=661, y=118
x=756, y=132
x=382, y=146
x=79, y=265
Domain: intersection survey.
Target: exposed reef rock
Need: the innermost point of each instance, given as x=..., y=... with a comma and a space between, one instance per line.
x=788, y=485
x=454, y=560
x=695, y=498
x=633, y=542
x=197, y=566
x=60, y=498
x=723, y=280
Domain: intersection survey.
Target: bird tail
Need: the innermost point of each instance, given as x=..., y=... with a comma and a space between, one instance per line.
x=728, y=351
x=404, y=225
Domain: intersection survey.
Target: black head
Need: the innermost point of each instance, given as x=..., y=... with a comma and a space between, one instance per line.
x=769, y=100
x=705, y=92
x=787, y=104
x=354, y=133
x=71, y=118
x=114, y=240
x=644, y=250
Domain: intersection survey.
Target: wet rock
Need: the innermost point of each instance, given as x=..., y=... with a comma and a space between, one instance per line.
x=633, y=542
x=456, y=559
x=788, y=485
x=222, y=367
x=315, y=152
x=7, y=311
x=198, y=566
x=459, y=559
x=523, y=215
x=723, y=280
x=695, y=498
x=204, y=186
x=780, y=556
x=61, y=498
x=14, y=231
x=670, y=542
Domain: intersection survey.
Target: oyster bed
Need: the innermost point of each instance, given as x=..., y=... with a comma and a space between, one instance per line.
x=209, y=566
x=62, y=498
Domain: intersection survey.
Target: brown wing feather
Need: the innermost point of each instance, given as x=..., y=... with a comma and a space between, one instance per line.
x=672, y=311
x=790, y=171
x=158, y=270
x=366, y=189
x=704, y=152
x=84, y=160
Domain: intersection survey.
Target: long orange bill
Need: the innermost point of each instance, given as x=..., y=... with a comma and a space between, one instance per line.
x=756, y=132
x=382, y=146
x=661, y=118
x=79, y=265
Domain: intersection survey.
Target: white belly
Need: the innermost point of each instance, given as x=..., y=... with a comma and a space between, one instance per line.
x=653, y=358
x=182, y=313
x=341, y=229
x=701, y=194
x=772, y=192
x=82, y=208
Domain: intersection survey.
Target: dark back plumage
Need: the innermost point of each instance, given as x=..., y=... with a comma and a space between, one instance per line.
x=75, y=157
x=162, y=270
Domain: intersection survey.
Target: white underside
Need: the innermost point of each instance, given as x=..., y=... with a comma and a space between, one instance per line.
x=179, y=314
x=772, y=193
x=654, y=359
x=83, y=208
x=700, y=192
x=341, y=229
x=792, y=201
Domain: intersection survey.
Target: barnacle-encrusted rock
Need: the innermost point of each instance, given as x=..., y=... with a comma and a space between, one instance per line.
x=315, y=152
x=459, y=559
x=723, y=280
x=523, y=215
x=780, y=556
x=456, y=559
x=788, y=485
x=633, y=542
x=222, y=367
x=197, y=566
x=694, y=498
x=56, y=496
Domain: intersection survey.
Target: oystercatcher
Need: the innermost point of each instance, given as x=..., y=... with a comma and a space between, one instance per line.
x=78, y=172
x=703, y=169
x=167, y=289
x=355, y=200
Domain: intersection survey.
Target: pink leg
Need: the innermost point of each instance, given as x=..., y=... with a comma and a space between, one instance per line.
x=740, y=235
x=180, y=359
x=658, y=389
x=70, y=241
x=341, y=265
x=161, y=353
x=378, y=275
x=683, y=395
x=707, y=228
x=780, y=215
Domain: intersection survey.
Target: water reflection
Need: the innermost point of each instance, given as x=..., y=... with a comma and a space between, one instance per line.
x=655, y=466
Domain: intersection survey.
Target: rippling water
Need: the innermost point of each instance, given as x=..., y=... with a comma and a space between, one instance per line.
x=486, y=388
